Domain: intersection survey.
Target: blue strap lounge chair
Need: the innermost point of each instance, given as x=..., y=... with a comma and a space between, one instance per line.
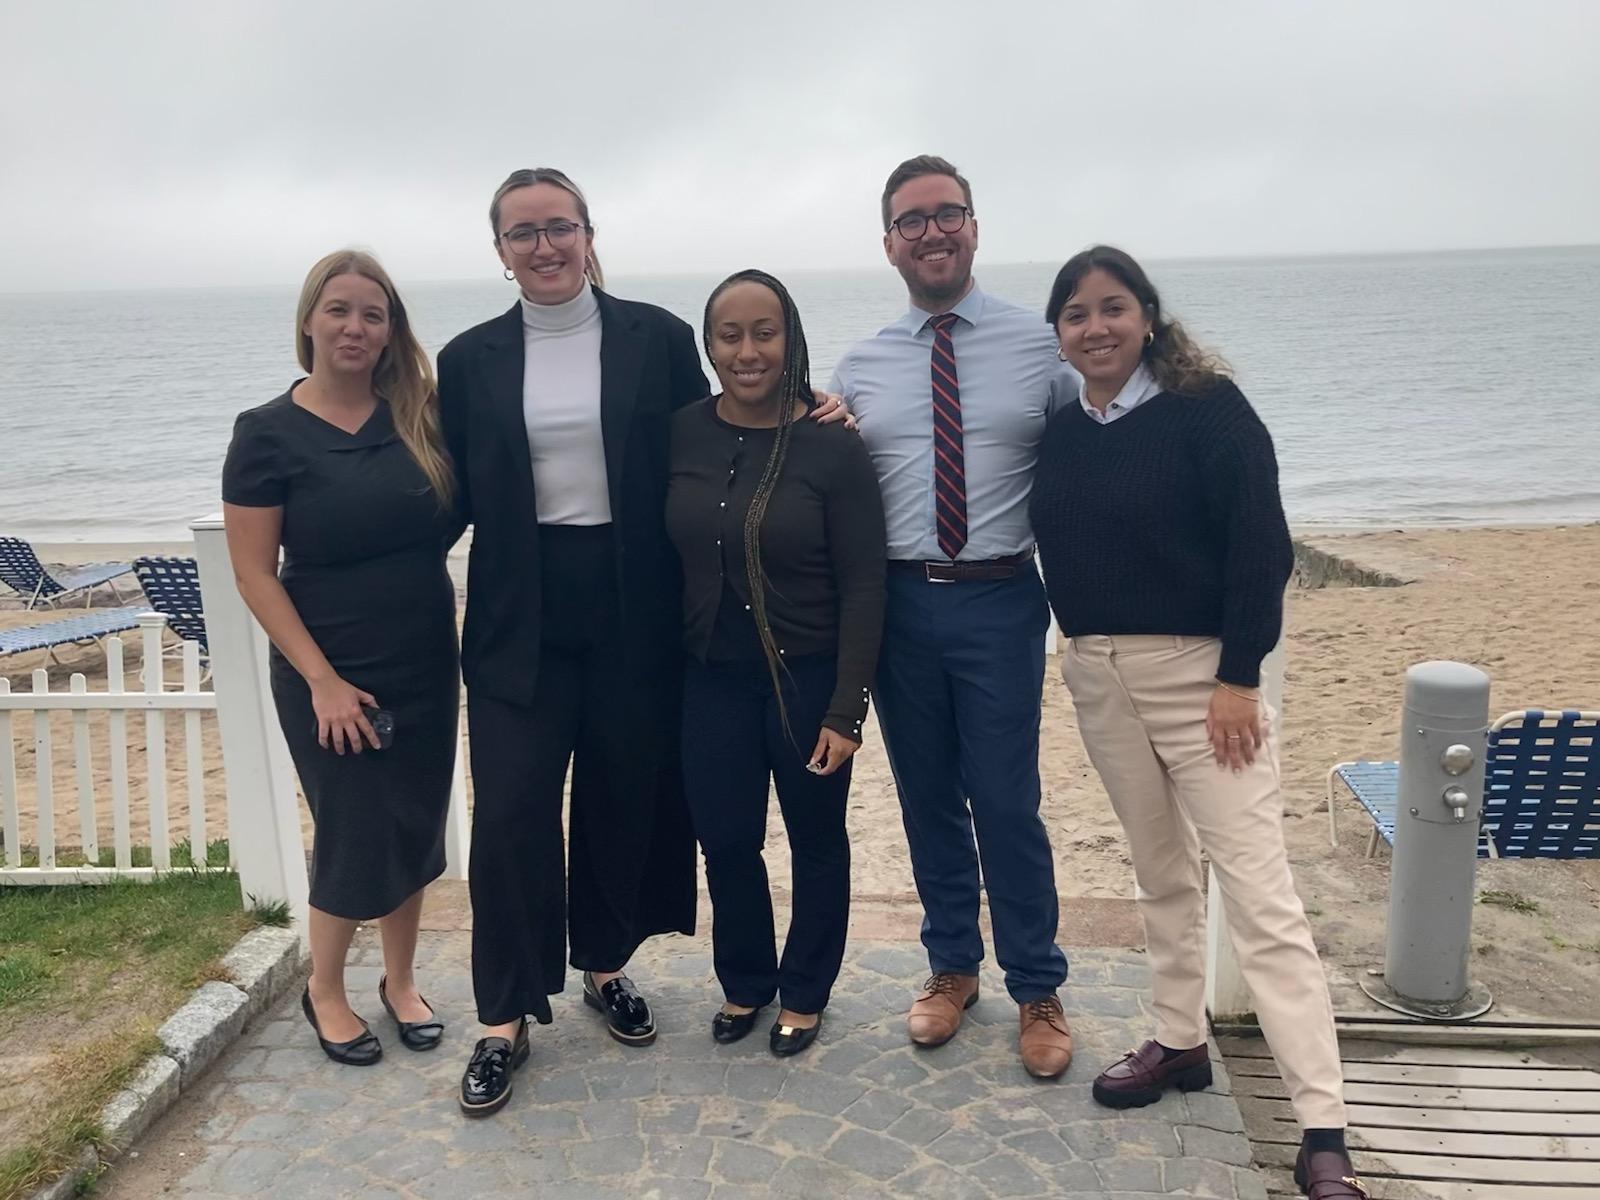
x=172, y=585
x=21, y=570
x=1541, y=792
x=70, y=631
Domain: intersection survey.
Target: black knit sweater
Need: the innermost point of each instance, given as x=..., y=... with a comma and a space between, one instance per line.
x=822, y=548
x=1166, y=520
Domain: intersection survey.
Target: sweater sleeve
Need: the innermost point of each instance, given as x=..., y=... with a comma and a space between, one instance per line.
x=853, y=517
x=1241, y=472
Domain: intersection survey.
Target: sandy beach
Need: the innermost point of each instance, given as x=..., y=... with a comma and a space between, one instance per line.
x=1517, y=602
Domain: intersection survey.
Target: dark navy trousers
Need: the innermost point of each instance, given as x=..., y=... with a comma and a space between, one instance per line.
x=733, y=745
x=958, y=698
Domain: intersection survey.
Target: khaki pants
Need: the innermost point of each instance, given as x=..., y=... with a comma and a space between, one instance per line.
x=1141, y=702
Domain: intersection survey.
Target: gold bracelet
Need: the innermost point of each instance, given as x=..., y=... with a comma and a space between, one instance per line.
x=1235, y=691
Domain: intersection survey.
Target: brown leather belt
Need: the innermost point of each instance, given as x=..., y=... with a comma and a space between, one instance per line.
x=964, y=572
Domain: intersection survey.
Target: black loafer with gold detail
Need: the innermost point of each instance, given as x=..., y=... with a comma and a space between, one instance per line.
x=732, y=1027
x=791, y=1039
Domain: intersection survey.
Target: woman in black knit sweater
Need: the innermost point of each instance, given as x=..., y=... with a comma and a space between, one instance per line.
x=778, y=522
x=1165, y=555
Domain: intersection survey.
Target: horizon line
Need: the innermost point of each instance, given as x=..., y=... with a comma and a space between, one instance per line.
x=813, y=270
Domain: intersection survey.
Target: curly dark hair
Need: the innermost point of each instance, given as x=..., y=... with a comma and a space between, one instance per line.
x=1177, y=362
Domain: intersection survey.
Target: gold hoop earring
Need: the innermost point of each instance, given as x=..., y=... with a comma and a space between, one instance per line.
x=1149, y=338
x=509, y=274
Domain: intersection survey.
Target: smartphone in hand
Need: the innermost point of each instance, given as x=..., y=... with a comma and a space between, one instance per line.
x=382, y=722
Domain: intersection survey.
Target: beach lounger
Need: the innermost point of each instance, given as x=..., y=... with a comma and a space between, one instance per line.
x=71, y=631
x=1541, y=792
x=21, y=570
x=172, y=585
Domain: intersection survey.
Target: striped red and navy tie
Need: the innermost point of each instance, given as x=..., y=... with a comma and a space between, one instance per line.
x=949, y=461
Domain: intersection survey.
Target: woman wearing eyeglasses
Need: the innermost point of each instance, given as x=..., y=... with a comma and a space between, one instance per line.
x=557, y=416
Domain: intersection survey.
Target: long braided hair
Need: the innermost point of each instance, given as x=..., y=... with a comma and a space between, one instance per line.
x=794, y=384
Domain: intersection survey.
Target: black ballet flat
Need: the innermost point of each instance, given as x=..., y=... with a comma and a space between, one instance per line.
x=486, y=1084
x=360, y=1051
x=729, y=1027
x=791, y=1039
x=414, y=1035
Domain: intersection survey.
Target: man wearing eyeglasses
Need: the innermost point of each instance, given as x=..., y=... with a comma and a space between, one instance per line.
x=952, y=401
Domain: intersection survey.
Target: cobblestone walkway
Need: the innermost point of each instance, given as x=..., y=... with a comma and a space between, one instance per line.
x=862, y=1114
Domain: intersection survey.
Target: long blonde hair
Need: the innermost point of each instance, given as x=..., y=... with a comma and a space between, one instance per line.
x=528, y=177
x=403, y=378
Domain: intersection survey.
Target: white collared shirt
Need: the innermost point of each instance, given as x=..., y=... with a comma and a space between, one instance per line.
x=1140, y=387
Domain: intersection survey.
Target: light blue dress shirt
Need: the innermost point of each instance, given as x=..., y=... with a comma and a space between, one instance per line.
x=1011, y=381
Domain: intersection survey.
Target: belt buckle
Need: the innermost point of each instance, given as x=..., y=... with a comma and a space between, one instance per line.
x=929, y=567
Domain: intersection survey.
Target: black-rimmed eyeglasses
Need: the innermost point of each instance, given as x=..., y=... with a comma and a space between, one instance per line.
x=950, y=218
x=524, y=239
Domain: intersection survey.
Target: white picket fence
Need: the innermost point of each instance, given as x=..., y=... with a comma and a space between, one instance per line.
x=263, y=816
x=158, y=705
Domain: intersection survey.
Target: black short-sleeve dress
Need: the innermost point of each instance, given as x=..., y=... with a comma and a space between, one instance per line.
x=364, y=542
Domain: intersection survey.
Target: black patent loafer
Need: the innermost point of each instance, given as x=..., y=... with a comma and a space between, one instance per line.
x=787, y=1040
x=627, y=1013
x=486, y=1085
x=360, y=1051
x=731, y=1027
x=414, y=1035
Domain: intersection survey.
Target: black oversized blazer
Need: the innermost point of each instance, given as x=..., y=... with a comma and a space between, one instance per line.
x=649, y=368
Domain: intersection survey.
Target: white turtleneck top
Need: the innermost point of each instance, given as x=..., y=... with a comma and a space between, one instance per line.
x=561, y=410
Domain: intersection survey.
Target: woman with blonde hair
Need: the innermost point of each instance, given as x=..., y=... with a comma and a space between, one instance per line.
x=347, y=473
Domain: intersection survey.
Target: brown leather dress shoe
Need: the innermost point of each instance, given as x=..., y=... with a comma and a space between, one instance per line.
x=1140, y=1076
x=936, y=1014
x=1327, y=1175
x=1045, y=1040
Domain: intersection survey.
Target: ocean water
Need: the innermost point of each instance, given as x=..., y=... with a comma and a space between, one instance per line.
x=1436, y=389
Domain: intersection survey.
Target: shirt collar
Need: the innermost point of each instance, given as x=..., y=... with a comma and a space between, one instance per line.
x=969, y=309
x=1140, y=387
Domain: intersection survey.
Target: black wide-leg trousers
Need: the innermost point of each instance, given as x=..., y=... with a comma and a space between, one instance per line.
x=530, y=893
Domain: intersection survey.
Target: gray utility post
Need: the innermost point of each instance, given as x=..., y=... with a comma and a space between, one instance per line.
x=1432, y=878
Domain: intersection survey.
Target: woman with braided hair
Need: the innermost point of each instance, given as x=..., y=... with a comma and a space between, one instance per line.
x=778, y=522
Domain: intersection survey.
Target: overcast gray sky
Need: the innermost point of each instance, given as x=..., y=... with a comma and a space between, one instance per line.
x=164, y=143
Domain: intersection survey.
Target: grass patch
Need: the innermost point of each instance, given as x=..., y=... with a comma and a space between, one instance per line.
x=84, y=1078
x=87, y=973
x=139, y=856
x=1515, y=901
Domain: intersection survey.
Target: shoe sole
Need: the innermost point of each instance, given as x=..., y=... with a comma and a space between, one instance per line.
x=493, y=1106
x=1048, y=1074
x=1192, y=1080
x=627, y=1039
x=971, y=1000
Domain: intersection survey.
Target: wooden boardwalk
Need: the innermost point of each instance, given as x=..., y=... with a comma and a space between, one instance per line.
x=1449, y=1122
